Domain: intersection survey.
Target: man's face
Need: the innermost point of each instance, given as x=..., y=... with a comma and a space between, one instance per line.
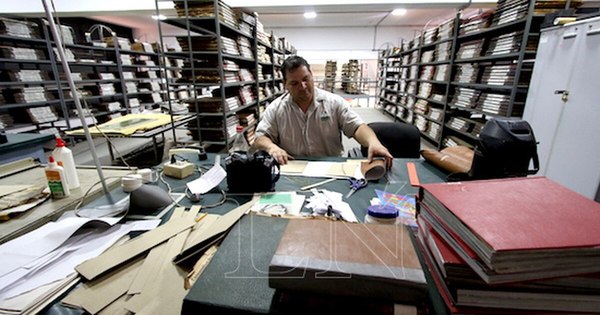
x=299, y=82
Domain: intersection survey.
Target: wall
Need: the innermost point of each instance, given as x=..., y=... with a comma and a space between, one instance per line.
x=319, y=44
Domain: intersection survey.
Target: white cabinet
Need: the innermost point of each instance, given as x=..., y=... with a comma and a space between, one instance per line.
x=563, y=105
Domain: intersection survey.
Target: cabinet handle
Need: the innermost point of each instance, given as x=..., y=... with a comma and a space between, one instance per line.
x=564, y=94
x=592, y=30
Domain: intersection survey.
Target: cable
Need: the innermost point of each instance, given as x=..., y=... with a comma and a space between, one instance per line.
x=87, y=192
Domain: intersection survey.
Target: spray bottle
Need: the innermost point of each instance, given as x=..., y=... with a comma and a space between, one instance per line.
x=64, y=158
x=57, y=181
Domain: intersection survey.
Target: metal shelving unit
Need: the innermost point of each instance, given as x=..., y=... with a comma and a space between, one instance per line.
x=411, y=92
x=103, y=77
x=211, y=48
x=231, y=64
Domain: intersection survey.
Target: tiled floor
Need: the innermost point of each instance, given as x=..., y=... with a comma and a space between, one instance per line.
x=82, y=155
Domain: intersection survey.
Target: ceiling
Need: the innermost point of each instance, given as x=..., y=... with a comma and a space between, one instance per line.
x=273, y=13
x=359, y=13
x=418, y=13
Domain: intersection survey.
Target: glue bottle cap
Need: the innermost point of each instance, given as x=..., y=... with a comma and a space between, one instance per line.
x=60, y=142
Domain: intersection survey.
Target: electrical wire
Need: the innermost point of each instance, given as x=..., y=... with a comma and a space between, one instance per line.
x=88, y=192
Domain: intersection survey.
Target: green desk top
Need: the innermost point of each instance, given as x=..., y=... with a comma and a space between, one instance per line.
x=398, y=184
x=20, y=140
x=236, y=279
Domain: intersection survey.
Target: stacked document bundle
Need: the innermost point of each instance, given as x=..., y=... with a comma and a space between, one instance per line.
x=519, y=245
x=40, y=266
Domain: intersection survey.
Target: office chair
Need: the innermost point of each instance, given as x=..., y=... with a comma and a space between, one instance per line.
x=401, y=139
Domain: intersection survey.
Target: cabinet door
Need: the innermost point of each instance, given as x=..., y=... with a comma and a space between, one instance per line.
x=575, y=157
x=556, y=54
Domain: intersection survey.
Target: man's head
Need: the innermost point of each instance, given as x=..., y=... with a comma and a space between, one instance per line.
x=298, y=79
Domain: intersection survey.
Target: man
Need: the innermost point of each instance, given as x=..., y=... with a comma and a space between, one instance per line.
x=308, y=121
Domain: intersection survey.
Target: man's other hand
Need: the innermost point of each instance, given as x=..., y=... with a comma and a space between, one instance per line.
x=280, y=155
x=378, y=150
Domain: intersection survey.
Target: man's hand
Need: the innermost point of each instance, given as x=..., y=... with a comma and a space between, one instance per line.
x=265, y=143
x=377, y=149
x=279, y=154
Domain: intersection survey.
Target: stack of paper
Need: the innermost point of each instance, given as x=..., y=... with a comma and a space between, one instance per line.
x=40, y=265
x=142, y=275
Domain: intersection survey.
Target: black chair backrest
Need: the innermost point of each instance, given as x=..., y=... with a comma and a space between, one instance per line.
x=401, y=139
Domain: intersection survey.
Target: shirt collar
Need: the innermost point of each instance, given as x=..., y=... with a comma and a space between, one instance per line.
x=318, y=100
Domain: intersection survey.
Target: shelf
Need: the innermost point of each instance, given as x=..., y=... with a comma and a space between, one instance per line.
x=5, y=60
x=494, y=57
x=28, y=83
x=409, y=63
x=30, y=104
x=487, y=32
x=8, y=38
x=479, y=86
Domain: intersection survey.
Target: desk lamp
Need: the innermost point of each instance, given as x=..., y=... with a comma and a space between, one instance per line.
x=67, y=70
x=146, y=198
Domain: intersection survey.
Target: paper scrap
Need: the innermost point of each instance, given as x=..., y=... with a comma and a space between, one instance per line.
x=208, y=180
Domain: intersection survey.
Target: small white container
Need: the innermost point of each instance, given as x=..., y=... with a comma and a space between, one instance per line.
x=64, y=158
x=131, y=182
x=57, y=181
x=382, y=214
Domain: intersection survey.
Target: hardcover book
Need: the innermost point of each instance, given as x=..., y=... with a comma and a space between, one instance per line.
x=348, y=259
x=523, y=228
x=464, y=288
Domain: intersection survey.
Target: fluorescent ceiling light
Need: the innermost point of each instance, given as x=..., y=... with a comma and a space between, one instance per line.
x=159, y=17
x=310, y=15
x=398, y=12
x=279, y=3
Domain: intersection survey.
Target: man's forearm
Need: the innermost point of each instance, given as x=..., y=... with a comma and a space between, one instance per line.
x=365, y=135
x=262, y=143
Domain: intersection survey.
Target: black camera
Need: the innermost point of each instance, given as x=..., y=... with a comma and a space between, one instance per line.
x=250, y=173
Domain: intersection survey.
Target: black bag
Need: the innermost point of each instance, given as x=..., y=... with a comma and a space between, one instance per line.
x=505, y=149
x=250, y=173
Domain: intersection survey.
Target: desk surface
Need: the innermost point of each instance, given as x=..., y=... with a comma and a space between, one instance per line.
x=20, y=140
x=236, y=280
x=398, y=184
x=52, y=208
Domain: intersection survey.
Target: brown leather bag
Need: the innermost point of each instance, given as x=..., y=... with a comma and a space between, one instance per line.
x=452, y=159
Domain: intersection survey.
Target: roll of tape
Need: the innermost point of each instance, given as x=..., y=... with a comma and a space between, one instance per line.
x=131, y=182
x=148, y=175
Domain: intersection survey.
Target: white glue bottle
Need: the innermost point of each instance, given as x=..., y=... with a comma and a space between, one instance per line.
x=57, y=181
x=64, y=158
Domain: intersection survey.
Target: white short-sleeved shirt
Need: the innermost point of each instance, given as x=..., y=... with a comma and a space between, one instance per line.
x=314, y=133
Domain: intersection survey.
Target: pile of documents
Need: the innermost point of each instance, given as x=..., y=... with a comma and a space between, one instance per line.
x=15, y=199
x=511, y=245
x=40, y=265
x=149, y=274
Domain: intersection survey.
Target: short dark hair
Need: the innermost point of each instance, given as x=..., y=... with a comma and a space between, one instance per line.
x=292, y=63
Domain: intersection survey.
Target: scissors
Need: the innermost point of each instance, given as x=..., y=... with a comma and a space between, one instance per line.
x=356, y=184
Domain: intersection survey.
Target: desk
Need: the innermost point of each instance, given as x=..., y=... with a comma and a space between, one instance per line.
x=236, y=280
x=152, y=132
x=23, y=145
x=52, y=208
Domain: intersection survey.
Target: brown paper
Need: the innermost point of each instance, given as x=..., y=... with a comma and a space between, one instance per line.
x=374, y=170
